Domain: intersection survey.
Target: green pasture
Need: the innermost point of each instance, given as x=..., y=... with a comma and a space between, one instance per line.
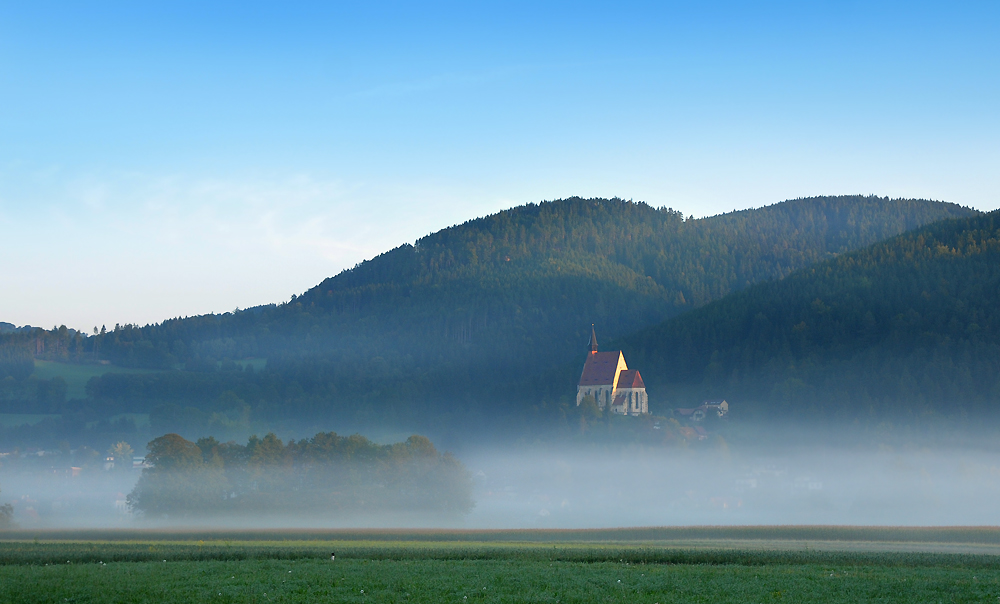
x=489, y=580
x=77, y=375
x=641, y=565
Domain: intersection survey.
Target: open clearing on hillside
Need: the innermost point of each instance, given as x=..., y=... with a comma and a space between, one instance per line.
x=735, y=564
x=77, y=375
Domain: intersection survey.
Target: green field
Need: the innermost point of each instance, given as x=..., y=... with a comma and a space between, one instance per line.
x=704, y=565
x=77, y=375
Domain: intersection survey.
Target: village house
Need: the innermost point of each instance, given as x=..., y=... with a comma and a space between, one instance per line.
x=697, y=414
x=613, y=385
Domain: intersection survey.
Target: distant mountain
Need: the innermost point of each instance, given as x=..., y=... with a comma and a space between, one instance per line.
x=458, y=322
x=904, y=328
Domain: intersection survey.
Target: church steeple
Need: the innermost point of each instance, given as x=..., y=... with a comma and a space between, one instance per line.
x=593, y=339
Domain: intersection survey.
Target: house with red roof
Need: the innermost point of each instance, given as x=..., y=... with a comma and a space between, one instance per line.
x=613, y=385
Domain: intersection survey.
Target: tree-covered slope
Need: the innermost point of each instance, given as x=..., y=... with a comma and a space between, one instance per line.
x=524, y=284
x=905, y=327
x=457, y=323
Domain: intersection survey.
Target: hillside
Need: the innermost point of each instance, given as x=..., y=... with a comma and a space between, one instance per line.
x=904, y=328
x=452, y=327
x=526, y=283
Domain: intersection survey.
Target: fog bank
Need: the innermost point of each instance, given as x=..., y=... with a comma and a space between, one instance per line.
x=592, y=487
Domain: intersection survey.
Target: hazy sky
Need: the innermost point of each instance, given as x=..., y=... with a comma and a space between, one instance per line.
x=171, y=158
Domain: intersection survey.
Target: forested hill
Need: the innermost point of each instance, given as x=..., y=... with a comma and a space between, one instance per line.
x=452, y=328
x=904, y=328
x=524, y=285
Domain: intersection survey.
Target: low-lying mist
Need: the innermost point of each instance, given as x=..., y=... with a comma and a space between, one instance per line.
x=576, y=485
x=589, y=488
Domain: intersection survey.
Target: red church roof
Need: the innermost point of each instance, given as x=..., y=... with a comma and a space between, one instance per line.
x=630, y=378
x=600, y=368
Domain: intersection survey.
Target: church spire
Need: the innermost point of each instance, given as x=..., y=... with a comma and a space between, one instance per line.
x=593, y=339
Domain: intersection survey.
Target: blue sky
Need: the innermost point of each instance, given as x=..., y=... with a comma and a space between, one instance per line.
x=165, y=159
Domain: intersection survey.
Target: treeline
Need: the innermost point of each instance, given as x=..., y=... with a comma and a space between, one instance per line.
x=903, y=329
x=328, y=475
x=20, y=391
x=32, y=395
x=17, y=360
x=19, y=348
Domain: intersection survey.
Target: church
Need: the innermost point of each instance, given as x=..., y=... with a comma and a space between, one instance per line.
x=608, y=379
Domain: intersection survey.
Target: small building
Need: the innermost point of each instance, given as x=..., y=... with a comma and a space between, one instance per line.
x=697, y=414
x=613, y=385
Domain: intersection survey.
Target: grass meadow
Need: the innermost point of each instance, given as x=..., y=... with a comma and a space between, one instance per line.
x=739, y=564
x=76, y=375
